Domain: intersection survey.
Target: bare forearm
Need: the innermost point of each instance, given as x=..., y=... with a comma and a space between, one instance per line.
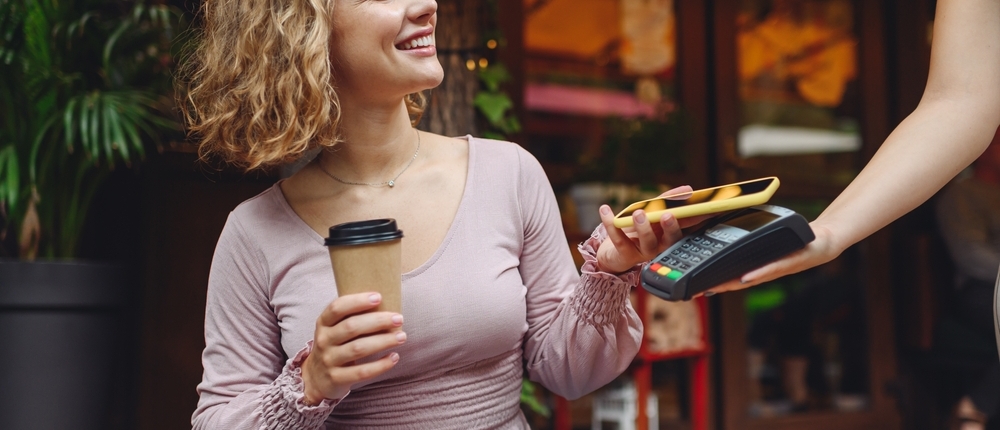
x=955, y=121
x=926, y=150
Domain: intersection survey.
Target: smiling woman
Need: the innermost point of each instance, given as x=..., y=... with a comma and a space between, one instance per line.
x=283, y=349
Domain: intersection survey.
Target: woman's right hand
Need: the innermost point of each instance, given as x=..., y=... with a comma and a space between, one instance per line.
x=347, y=330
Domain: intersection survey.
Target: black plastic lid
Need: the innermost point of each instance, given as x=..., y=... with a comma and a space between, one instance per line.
x=363, y=232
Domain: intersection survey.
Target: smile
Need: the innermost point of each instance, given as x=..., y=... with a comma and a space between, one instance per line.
x=419, y=42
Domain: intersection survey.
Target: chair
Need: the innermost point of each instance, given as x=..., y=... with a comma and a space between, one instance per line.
x=618, y=405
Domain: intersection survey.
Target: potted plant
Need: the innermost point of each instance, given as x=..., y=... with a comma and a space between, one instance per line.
x=84, y=89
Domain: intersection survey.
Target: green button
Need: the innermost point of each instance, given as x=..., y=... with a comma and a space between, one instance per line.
x=674, y=274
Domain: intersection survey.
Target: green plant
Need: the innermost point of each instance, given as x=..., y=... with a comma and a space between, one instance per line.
x=85, y=88
x=494, y=103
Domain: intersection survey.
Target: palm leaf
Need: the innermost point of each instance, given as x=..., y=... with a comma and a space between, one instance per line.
x=10, y=172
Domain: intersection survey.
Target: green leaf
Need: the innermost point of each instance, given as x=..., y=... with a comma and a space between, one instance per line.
x=512, y=125
x=109, y=152
x=493, y=135
x=10, y=188
x=94, y=116
x=115, y=124
x=493, y=76
x=529, y=398
x=68, y=129
x=109, y=46
x=493, y=106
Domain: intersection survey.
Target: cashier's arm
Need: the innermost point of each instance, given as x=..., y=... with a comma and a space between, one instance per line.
x=952, y=125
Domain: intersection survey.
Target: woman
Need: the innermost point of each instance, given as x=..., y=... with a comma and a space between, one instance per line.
x=489, y=284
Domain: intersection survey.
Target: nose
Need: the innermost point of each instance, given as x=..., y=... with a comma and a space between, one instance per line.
x=421, y=11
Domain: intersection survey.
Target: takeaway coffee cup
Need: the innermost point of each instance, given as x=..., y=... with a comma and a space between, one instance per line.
x=366, y=257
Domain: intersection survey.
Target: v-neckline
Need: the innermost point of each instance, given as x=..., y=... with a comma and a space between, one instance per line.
x=279, y=195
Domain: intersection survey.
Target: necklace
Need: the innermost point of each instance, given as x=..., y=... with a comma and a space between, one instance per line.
x=390, y=183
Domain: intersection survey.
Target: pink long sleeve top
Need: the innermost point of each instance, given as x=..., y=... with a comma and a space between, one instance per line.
x=500, y=293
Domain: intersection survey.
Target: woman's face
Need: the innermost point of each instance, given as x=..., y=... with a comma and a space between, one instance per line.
x=384, y=48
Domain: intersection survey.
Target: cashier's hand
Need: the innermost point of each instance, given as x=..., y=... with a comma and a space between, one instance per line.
x=821, y=250
x=624, y=248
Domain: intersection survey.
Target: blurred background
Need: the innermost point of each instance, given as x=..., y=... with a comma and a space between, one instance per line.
x=109, y=221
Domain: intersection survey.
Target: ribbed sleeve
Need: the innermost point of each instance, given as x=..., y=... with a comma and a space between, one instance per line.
x=283, y=406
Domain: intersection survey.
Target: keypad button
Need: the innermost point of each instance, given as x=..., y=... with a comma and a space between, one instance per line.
x=685, y=245
x=685, y=255
x=684, y=266
x=663, y=271
x=697, y=239
x=718, y=246
x=696, y=260
x=673, y=262
x=675, y=252
x=655, y=266
x=706, y=253
x=674, y=274
x=695, y=250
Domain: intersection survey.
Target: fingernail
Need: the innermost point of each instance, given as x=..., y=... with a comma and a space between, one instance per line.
x=605, y=210
x=394, y=357
x=397, y=319
x=745, y=280
x=709, y=293
x=640, y=217
x=375, y=298
x=401, y=337
x=667, y=219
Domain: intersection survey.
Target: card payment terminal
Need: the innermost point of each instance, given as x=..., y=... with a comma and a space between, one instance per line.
x=725, y=249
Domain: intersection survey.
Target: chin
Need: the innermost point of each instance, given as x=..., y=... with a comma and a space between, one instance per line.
x=431, y=81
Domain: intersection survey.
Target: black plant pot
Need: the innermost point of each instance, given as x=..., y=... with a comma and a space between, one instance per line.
x=61, y=337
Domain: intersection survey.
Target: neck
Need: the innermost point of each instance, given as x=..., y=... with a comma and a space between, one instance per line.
x=375, y=146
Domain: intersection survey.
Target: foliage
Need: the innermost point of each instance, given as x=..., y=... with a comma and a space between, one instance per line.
x=85, y=88
x=494, y=103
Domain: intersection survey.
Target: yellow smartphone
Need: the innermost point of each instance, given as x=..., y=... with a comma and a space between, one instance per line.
x=701, y=202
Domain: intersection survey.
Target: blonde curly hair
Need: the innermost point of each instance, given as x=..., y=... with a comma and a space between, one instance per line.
x=257, y=86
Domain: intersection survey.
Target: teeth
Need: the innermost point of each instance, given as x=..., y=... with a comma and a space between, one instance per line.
x=419, y=42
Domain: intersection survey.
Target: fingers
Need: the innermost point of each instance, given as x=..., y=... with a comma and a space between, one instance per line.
x=358, y=327
x=648, y=240
x=349, y=352
x=618, y=237
x=793, y=263
x=671, y=231
x=365, y=371
x=678, y=193
x=347, y=305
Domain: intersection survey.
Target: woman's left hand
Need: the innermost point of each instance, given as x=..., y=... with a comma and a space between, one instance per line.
x=623, y=249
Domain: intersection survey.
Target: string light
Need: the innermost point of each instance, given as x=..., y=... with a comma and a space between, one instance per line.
x=492, y=44
x=470, y=64
x=483, y=63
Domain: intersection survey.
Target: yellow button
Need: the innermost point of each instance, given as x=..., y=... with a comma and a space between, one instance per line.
x=663, y=271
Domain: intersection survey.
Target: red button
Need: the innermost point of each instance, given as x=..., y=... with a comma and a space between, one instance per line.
x=655, y=266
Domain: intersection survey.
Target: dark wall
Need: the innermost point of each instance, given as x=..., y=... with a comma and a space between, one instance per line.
x=184, y=207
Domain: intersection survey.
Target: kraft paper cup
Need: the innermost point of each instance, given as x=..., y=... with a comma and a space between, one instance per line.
x=366, y=257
